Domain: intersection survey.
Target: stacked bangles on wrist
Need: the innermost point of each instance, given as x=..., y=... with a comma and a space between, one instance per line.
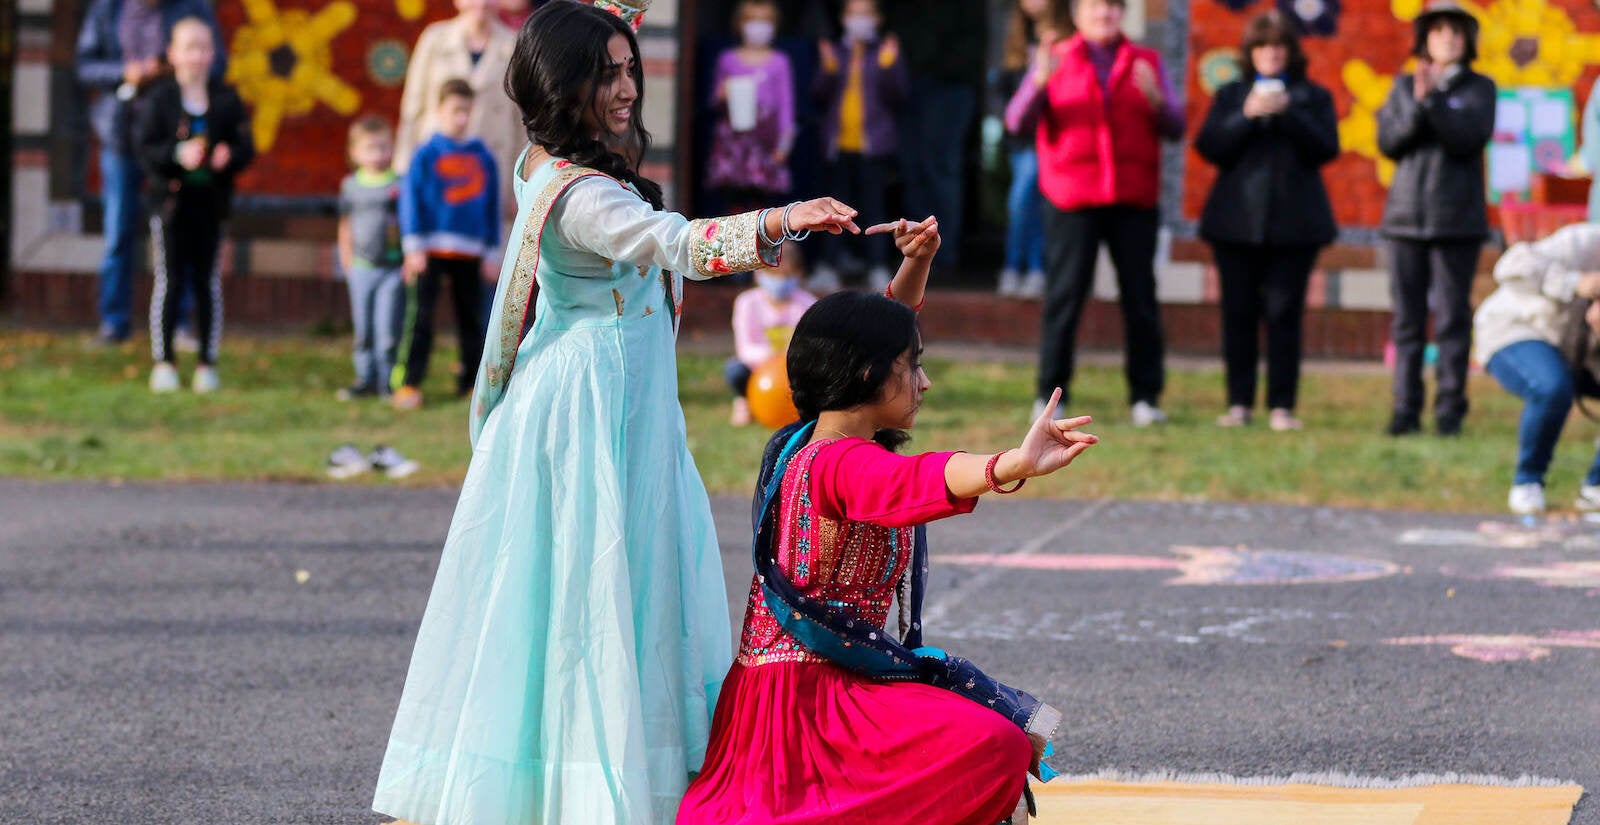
x=786, y=233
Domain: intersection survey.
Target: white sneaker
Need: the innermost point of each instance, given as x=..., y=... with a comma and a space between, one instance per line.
x=823, y=279
x=1010, y=282
x=164, y=378
x=1032, y=286
x=1588, y=497
x=347, y=462
x=878, y=278
x=1146, y=414
x=1526, y=499
x=205, y=379
x=1038, y=410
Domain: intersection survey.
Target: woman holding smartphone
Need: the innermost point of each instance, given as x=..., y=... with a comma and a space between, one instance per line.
x=1268, y=133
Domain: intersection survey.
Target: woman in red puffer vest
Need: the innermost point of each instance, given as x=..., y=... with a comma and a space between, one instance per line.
x=1100, y=106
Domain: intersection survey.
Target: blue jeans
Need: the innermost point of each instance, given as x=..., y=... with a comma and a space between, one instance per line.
x=933, y=136
x=1024, y=221
x=737, y=375
x=377, y=299
x=120, y=184
x=1535, y=372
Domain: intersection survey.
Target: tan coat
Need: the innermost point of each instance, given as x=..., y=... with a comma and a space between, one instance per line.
x=440, y=55
x=1535, y=281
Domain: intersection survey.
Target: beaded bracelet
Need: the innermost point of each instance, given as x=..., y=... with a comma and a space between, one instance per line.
x=994, y=484
x=790, y=234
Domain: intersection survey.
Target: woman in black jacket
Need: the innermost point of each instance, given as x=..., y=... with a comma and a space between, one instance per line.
x=1435, y=126
x=192, y=137
x=1268, y=133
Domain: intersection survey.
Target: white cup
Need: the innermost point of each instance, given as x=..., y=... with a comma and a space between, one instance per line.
x=741, y=93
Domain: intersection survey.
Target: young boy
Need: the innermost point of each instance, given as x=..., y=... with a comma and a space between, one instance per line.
x=192, y=137
x=370, y=255
x=860, y=86
x=450, y=228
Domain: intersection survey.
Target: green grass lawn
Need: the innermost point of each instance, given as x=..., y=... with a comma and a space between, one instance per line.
x=70, y=411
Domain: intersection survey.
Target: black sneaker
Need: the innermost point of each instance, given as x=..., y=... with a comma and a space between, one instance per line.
x=1404, y=424
x=1448, y=426
x=355, y=391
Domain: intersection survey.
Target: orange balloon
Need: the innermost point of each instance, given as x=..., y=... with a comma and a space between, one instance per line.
x=768, y=394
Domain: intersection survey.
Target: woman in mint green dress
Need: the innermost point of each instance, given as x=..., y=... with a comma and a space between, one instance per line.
x=577, y=633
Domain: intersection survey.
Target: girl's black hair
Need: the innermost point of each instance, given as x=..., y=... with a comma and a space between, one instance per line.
x=843, y=351
x=557, y=69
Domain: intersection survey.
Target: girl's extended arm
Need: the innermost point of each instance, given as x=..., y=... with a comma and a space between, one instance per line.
x=1050, y=445
x=917, y=242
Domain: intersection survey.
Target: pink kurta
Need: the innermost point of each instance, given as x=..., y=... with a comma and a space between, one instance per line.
x=796, y=739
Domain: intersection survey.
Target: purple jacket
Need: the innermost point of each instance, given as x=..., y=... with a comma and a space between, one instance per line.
x=883, y=87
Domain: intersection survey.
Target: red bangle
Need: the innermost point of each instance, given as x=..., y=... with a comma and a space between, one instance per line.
x=888, y=292
x=989, y=479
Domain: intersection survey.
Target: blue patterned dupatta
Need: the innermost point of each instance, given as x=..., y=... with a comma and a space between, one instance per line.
x=841, y=637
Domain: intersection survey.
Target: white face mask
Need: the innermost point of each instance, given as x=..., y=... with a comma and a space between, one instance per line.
x=860, y=27
x=758, y=32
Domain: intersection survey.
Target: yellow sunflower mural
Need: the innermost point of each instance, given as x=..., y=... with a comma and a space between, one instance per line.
x=282, y=64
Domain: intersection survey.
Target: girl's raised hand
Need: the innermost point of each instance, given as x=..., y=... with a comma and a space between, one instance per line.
x=916, y=241
x=1052, y=444
x=823, y=215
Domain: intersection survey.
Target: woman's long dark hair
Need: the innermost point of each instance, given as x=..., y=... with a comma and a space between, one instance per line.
x=1272, y=28
x=843, y=351
x=554, y=75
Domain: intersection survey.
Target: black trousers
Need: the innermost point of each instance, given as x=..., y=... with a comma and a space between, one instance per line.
x=186, y=237
x=1072, y=240
x=416, y=339
x=862, y=182
x=1441, y=271
x=1263, y=283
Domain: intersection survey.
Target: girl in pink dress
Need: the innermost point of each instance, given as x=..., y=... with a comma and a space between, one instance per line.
x=749, y=162
x=829, y=714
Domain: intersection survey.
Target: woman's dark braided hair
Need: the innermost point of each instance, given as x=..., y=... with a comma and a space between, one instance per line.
x=559, y=65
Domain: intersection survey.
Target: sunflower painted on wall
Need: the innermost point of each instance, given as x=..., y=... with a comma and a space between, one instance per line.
x=282, y=64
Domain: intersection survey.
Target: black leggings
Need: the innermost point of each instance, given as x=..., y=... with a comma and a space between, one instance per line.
x=1263, y=283
x=185, y=239
x=416, y=339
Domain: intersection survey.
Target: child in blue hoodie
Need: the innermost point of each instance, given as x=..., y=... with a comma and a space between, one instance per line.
x=450, y=229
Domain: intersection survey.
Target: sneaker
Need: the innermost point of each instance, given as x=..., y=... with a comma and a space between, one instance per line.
x=1010, y=282
x=1403, y=424
x=390, y=462
x=205, y=379
x=824, y=278
x=1038, y=409
x=355, y=391
x=1526, y=499
x=1032, y=288
x=183, y=340
x=1588, y=498
x=878, y=279
x=347, y=462
x=1146, y=414
x=407, y=398
x=1236, y=416
x=1282, y=420
x=164, y=378
x=1448, y=426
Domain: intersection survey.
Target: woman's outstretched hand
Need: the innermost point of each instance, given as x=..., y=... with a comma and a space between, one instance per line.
x=822, y=215
x=916, y=241
x=1052, y=444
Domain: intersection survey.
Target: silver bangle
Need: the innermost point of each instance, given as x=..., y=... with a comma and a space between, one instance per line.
x=761, y=229
x=790, y=234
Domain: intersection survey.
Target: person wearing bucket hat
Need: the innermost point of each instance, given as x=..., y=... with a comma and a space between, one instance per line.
x=1435, y=125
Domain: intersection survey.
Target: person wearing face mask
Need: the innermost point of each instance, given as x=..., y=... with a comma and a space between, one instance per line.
x=1434, y=126
x=762, y=318
x=861, y=85
x=754, y=104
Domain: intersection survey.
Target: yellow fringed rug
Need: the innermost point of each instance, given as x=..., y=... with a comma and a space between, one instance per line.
x=1106, y=802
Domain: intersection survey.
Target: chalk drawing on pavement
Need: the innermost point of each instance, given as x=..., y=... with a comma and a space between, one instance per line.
x=1203, y=565
x=1184, y=626
x=1506, y=536
x=1574, y=574
x=1515, y=647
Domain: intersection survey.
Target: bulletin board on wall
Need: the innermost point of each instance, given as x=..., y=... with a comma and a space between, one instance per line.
x=1533, y=133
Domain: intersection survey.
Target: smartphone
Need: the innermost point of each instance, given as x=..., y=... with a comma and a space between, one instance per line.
x=1268, y=86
